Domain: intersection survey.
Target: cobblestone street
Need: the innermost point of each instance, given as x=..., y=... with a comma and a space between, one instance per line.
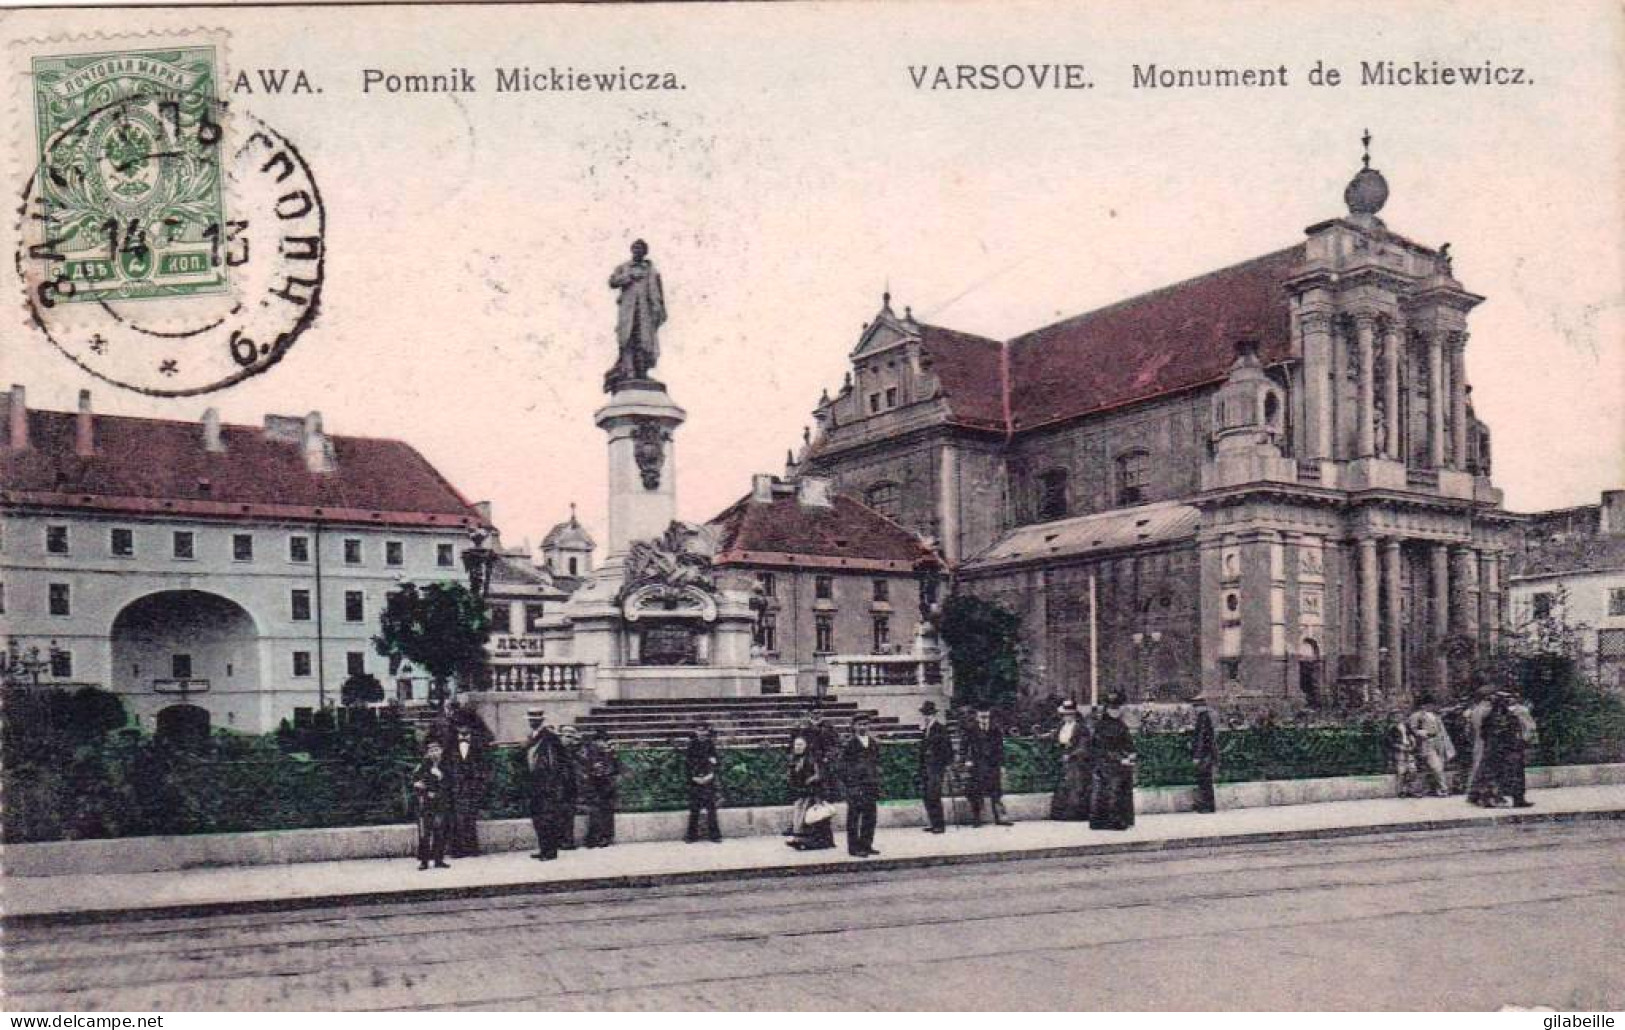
x=1470, y=918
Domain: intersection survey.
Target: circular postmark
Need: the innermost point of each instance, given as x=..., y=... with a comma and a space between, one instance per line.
x=169, y=245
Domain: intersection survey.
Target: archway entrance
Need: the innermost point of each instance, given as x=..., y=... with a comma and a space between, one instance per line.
x=184, y=646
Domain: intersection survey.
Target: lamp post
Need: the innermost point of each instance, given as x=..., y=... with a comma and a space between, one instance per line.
x=23, y=668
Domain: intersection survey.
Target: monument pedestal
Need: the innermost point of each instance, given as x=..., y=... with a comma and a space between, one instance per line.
x=639, y=421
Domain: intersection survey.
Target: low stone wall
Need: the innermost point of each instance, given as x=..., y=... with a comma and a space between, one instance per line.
x=153, y=854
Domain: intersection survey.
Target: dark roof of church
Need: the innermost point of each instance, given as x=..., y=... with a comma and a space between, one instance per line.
x=970, y=369
x=1171, y=339
x=844, y=534
x=157, y=466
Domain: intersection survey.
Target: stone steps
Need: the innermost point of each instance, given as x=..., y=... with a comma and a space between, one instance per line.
x=735, y=721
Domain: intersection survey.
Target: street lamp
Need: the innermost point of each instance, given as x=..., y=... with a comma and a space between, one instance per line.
x=477, y=562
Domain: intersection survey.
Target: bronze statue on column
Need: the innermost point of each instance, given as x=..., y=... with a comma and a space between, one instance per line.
x=641, y=313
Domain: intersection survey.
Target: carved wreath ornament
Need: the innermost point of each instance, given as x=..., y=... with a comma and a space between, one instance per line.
x=649, y=451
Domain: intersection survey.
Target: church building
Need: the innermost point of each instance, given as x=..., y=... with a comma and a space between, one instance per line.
x=1266, y=482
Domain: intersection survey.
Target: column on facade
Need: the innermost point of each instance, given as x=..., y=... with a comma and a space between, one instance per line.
x=1392, y=343
x=1464, y=606
x=1370, y=642
x=1394, y=672
x=1365, y=330
x=1439, y=557
x=1458, y=399
x=1435, y=340
x=1489, y=616
x=1316, y=327
x=1340, y=375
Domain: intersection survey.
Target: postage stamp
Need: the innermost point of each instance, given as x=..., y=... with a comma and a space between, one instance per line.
x=130, y=179
x=168, y=243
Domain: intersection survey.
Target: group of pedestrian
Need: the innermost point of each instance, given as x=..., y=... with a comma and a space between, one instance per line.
x=1097, y=758
x=449, y=785
x=1500, y=728
x=567, y=771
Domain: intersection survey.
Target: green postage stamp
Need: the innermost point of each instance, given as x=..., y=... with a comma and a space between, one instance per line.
x=130, y=183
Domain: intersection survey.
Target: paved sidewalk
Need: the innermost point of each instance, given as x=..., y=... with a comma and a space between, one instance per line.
x=320, y=884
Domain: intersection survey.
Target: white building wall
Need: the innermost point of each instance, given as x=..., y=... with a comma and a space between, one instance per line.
x=1585, y=603
x=101, y=584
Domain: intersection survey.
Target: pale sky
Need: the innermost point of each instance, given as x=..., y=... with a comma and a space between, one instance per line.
x=470, y=236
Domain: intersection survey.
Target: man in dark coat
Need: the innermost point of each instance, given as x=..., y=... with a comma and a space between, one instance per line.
x=601, y=769
x=703, y=765
x=570, y=737
x=1113, y=803
x=431, y=791
x=470, y=776
x=936, y=757
x=1204, y=755
x=552, y=787
x=860, y=770
x=984, y=766
x=1504, y=747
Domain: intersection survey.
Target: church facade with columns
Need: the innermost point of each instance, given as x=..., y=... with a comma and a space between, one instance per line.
x=1266, y=483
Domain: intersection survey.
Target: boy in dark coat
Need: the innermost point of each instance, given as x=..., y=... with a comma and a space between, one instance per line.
x=601, y=768
x=860, y=769
x=702, y=764
x=431, y=790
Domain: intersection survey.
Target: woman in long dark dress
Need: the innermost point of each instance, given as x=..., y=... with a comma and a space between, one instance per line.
x=1070, y=802
x=1114, y=757
x=807, y=786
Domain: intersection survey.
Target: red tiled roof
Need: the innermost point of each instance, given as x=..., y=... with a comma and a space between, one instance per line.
x=969, y=369
x=1171, y=339
x=159, y=466
x=784, y=531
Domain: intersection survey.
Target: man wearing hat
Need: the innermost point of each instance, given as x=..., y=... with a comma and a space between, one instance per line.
x=1204, y=755
x=1070, y=802
x=936, y=756
x=984, y=764
x=552, y=786
x=860, y=770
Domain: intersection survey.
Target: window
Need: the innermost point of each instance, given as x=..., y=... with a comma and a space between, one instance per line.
x=874, y=403
x=180, y=666
x=882, y=497
x=882, y=634
x=121, y=542
x=2, y=599
x=768, y=582
x=60, y=600
x=767, y=632
x=824, y=634
x=56, y=539
x=882, y=590
x=1543, y=603
x=443, y=556
x=242, y=547
x=355, y=604
x=1230, y=669
x=534, y=614
x=394, y=552
x=1133, y=471
x=824, y=588
x=355, y=663
x=573, y=566
x=1616, y=601
x=501, y=617
x=299, y=604
x=184, y=544
x=352, y=551
x=301, y=663
x=1052, y=495
x=61, y=664
x=299, y=548
x=891, y=396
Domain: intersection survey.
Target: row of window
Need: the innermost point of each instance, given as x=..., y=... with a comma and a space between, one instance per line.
x=183, y=546
x=502, y=618
x=767, y=633
x=59, y=601
x=823, y=587
x=1132, y=482
x=1545, y=602
x=180, y=665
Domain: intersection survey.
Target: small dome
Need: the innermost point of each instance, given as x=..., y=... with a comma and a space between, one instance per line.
x=568, y=535
x=1366, y=193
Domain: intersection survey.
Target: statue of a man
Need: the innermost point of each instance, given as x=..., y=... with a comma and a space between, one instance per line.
x=642, y=311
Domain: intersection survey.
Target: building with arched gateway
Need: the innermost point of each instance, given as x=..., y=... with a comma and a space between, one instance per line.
x=237, y=568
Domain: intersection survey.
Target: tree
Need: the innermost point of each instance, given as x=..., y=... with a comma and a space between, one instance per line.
x=361, y=689
x=982, y=639
x=441, y=628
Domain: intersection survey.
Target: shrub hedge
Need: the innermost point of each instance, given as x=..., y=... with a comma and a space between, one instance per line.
x=69, y=773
